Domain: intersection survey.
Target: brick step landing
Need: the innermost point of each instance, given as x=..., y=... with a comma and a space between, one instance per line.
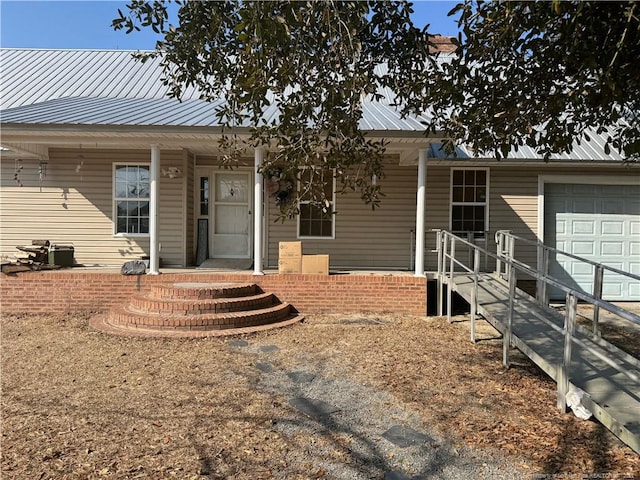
x=202, y=291
x=196, y=310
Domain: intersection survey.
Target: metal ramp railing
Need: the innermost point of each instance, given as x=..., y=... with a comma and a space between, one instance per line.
x=506, y=245
x=569, y=354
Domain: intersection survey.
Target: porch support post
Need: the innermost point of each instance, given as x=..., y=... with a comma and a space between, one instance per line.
x=154, y=243
x=257, y=212
x=420, y=209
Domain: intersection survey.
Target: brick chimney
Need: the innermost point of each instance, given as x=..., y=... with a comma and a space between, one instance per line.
x=440, y=43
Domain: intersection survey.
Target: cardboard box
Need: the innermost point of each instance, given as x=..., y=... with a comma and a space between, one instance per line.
x=315, y=264
x=290, y=249
x=290, y=265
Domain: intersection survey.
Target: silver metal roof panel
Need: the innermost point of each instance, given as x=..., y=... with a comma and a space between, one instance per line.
x=111, y=87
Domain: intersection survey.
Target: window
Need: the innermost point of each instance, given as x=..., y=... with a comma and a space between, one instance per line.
x=469, y=201
x=204, y=196
x=316, y=221
x=131, y=199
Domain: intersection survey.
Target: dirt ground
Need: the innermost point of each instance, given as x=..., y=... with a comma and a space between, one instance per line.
x=77, y=403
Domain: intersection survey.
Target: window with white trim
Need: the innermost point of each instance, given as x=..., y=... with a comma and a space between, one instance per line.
x=131, y=199
x=469, y=201
x=316, y=220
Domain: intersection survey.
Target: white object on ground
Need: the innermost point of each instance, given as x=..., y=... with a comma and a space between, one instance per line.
x=574, y=401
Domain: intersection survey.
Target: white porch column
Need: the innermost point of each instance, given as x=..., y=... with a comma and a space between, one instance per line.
x=154, y=244
x=420, y=209
x=257, y=212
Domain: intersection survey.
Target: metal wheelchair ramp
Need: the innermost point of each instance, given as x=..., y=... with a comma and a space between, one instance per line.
x=571, y=355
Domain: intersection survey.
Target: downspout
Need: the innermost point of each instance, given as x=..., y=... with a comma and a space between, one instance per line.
x=154, y=244
x=257, y=212
x=420, y=210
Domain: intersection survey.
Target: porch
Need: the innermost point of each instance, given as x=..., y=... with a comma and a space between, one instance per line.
x=98, y=289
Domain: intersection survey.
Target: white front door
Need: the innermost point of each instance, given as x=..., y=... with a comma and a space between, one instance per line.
x=230, y=226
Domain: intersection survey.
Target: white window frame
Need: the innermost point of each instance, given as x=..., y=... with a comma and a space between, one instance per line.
x=333, y=210
x=485, y=204
x=114, y=216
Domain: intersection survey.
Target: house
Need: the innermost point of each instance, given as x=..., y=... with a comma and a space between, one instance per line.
x=94, y=154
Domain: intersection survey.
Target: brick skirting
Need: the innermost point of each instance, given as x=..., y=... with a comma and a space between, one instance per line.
x=75, y=291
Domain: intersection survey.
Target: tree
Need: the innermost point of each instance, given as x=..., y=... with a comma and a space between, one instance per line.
x=297, y=74
x=543, y=74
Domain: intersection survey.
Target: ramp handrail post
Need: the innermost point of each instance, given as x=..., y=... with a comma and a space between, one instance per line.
x=507, y=332
x=512, y=247
x=452, y=256
x=544, y=293
x=565, y=369
x=474, y=293
x=597, y=292
x=500, y=241
x=541, y=282
x=440, y=246
x=470, y=239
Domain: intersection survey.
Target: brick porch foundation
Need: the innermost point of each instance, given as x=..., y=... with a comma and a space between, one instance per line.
x=76, y=291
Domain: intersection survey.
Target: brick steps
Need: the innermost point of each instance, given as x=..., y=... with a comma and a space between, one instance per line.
x=202, y=291
x=197, y=309
x=201, y=306
x=101, y=322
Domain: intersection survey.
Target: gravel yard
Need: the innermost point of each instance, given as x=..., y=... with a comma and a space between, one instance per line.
x=336, y=397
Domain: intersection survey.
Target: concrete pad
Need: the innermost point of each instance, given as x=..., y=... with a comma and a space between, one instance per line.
x=269, y=348
x=405, y=436
x=313, y=408
x=301, y=377
x=397, y=476
x=264, y=367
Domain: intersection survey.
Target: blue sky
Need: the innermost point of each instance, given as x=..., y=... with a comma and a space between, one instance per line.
x=87, y=24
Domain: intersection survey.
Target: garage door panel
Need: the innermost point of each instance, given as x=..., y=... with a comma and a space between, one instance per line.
x=583, y=227
x=577, y=189
x=582, y=248
x=612, y=206
x=581, y=268
x=612, y=289
x=600, y=223
x=612, y=227
x=583, y=206
x=611, y=249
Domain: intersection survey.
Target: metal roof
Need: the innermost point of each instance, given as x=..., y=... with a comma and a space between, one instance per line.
x=583, y=150
x=32, y=76
x=89, y=88
x=95, y=87
x=171, y=112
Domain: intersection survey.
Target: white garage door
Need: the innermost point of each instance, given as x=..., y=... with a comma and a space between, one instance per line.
x=597, y=222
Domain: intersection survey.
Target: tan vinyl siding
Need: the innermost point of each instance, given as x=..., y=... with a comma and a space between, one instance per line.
x=513, y=202
x=513, y=205
x=436, y=209
x=381, y=239
x=74, y=205
x=365, y=238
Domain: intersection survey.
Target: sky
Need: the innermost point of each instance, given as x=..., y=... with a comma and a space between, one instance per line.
x=87, y=24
